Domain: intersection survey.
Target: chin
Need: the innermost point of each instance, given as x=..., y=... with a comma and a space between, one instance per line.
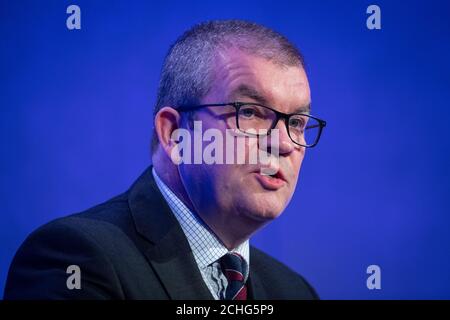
x=266, y=216
x=264, y=211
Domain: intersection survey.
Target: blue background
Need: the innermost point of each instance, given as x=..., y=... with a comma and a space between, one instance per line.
x=76, y=116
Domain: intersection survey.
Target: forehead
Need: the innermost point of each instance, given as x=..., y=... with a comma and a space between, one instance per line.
x=238, y=75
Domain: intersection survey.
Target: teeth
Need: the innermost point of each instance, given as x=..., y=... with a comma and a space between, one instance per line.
x=267, y=175
x=268, y=171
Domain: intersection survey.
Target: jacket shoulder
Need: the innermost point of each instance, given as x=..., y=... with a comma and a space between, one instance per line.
x=86, y=239
x=279, y=279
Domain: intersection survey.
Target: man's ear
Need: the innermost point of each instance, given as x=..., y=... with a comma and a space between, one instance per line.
x=167, y=120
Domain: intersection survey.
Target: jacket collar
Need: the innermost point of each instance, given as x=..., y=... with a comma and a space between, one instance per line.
x=167, y=248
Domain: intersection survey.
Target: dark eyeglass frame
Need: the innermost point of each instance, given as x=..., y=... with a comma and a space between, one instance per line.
x=279, y=115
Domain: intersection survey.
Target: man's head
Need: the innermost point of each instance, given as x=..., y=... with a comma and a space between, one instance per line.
x=222, y=62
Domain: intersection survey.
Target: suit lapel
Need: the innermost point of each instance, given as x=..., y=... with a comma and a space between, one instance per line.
x=166, y=246
x=256, y=288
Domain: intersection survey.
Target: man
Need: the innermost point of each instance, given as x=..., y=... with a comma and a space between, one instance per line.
x=182, y=230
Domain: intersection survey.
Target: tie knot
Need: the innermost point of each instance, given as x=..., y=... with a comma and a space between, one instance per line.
x=234, y=267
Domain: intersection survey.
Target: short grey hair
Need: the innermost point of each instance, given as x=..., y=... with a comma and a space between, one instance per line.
x=187, y=75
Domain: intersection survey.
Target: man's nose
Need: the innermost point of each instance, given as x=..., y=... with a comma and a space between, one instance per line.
x=279, y=138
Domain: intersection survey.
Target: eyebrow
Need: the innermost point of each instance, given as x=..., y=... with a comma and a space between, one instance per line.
x=250, y=92
x=305, y=109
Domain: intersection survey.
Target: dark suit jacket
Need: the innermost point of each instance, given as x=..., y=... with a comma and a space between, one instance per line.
x=130, y=247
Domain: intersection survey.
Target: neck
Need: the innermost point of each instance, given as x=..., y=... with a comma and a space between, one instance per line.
x=232, y=229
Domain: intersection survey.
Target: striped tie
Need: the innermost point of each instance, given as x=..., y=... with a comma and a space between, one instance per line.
x=234, y=268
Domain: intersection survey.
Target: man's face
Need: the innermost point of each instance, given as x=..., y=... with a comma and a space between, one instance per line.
x=241, y=189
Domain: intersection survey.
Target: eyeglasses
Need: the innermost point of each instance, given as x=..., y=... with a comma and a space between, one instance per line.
x=303, y=129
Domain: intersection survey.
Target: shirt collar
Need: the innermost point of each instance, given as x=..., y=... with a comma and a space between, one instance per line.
x=205, y=246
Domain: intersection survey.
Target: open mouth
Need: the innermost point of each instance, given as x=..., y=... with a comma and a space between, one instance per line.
x=270, y=180
x=273, y=176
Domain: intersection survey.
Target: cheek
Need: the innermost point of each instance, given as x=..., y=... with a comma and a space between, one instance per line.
x=227, y=179
x=296, y=164
x=298, y=160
